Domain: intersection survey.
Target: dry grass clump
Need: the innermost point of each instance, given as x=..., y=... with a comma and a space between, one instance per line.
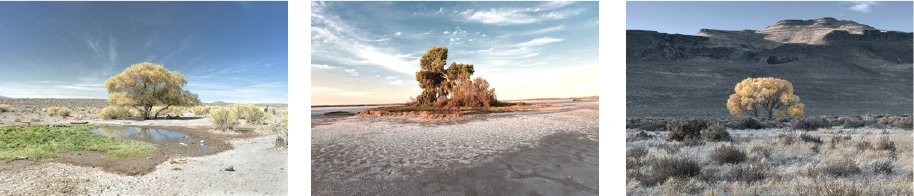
x=805, y=137
x=636, y=153
x=679, y=186
x=640, y=136
x=668, y=167
x=835, y=168
x=59, y=111
x=880, y=143
x=727, y=154
x=883, y=166
x=827, y=187
x=6, y=108
x=679, y=130
x=115, y=112
x=715, y=133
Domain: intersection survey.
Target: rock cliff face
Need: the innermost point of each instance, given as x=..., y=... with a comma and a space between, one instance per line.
x=837, y=67
x=810, y=31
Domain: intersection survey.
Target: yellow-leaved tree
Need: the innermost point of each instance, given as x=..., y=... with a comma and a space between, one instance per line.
x=145, y=85
x=771, y=96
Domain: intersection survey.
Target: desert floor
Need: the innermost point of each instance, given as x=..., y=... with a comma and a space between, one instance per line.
x=542, y=152
x=778, y=161
x=176, y=168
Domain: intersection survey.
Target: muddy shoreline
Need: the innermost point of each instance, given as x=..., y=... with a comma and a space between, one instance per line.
x=132, y=166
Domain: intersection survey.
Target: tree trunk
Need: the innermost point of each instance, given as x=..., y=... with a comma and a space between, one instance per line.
x=160, y=111
x=145, y=111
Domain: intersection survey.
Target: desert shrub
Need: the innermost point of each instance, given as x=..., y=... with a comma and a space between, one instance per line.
x=441, y=102
x=279, y=124
x=747, y=123
x=825, y=187
x=748, y=173
x=249, y=112
x=715, y=132
x=761, y=151
x=636, y=153
x=810, y=123
x=6, y=108
x=727, y=154
x=692, y=141
x=223, y=118
x=810, y=138
x=167, y=112
x=881, y=143
x=640, y=136
x=679, y=130
x=883, y=166
x=472, y=93
x=678, y=186
x=114, y=112
x=646, y=124
x=851, y=123
x=58, y=111
x=837, y=140
x=786, y=139
x=199, y=110
x=837, y=168
x=667, y=167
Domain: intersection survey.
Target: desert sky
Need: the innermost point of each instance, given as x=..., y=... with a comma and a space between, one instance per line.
x=688, y=17
x=368, y=52
x=227, y=51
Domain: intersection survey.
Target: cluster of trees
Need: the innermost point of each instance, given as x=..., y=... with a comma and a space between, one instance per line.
x=766, y=96
x=452, y=86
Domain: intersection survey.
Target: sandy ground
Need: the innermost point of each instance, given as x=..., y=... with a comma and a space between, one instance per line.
x=543, y=152
x=260, y=170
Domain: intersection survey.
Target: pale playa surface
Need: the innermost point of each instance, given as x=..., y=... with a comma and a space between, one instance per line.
x=260, y=170
x=547, y=152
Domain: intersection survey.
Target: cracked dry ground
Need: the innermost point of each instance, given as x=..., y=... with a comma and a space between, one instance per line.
x=543, y=152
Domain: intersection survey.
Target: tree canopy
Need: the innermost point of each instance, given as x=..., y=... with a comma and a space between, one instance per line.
x=771, y=96
x=145, y=85
x=440, y=83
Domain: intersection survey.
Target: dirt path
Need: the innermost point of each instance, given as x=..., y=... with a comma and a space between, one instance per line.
x=545, y=152
x=260, y=169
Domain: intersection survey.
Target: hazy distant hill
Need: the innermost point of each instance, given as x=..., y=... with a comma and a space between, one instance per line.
x=838, y=67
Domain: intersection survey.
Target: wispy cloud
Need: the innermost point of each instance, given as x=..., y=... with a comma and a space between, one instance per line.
x=863, y=6
x=510, y=16
x=336, y=34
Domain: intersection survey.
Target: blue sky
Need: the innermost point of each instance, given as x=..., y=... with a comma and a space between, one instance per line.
x=228, y=51
x=367, y=52
x=689, y=17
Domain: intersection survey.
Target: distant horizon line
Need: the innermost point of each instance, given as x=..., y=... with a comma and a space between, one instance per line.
x=6, y=97
x=523, y=99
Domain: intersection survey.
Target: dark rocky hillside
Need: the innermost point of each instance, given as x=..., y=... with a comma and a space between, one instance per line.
x=837, y=67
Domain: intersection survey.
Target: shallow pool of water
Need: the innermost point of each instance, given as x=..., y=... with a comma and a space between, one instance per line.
x=162, y=137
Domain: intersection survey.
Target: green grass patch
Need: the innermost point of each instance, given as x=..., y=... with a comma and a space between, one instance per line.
x=42, y=142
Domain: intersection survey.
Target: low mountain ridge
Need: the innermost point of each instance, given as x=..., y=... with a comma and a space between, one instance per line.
x=837, y=67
